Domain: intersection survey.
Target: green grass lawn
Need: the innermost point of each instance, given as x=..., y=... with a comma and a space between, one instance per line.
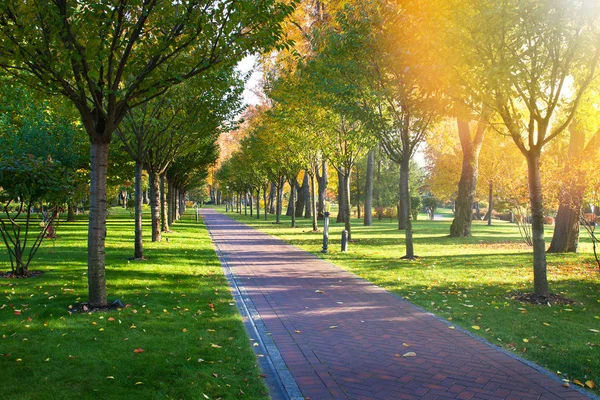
x=471, y=282
x=179, y=311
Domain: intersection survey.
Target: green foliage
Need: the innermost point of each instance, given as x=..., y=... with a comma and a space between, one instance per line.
x=26, y=181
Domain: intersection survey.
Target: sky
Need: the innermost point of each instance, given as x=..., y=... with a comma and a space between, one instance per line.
x=249, y=64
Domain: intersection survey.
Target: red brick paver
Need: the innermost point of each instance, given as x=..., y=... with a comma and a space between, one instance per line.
x=344, y=338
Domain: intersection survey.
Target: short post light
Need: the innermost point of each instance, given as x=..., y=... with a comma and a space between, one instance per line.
x=226, y=198
x=197, y=212
x=344, y=240
x=325, y=228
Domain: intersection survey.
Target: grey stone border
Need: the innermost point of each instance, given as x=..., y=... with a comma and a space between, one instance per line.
x=279, y=380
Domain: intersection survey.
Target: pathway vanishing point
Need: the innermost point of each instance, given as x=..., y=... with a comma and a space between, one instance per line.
x=341, y=337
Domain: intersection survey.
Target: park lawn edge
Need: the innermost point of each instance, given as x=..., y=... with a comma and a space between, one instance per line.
x=180, y=334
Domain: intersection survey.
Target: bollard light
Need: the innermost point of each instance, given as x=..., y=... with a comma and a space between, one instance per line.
x=325, y=232
x=344, y=240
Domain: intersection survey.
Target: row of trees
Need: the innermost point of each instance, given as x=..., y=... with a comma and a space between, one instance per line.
x=393, y=74
x=108, y=59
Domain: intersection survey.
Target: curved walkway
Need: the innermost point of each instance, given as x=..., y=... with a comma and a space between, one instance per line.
x=341, y=337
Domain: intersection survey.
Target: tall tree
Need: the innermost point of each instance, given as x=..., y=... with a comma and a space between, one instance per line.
x=532, y=50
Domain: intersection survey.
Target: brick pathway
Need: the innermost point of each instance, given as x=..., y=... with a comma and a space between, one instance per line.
x=343, y=338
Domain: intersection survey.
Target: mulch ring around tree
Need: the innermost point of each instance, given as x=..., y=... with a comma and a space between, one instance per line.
x=549, y=299
x=28, y=274
x=86, y=308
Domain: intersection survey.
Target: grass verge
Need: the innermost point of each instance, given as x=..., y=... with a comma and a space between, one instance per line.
x=179, y=337
x=472, y=283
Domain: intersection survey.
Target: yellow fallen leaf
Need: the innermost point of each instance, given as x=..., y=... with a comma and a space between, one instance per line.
x=409, y=354
x=547, y=324
x=591, y=384
x=101, y=330
x=47, y=359
x=594, y=330
x=405, y=344
x=110, y=377
x=476, y=327
x=184, y=330
x=255, y=344
x=216, y=346
x=139, y=383
x=451, y=327
x=526, y=340
x=19, y=359
x=578, y=382
x=297, y=331
x=94, y=323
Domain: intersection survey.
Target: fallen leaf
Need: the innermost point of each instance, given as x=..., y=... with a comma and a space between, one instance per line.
x=47, y=359
x=547, y=324
x=111, y=319
x=578, y=382
x=590, y=384
x=200, y=360
x=216, y=346
x=409, y=354
x=476, y=327
x=205, y=396
x=139, y=383
x=215, y=375
x=297, y=331
x=333, y=327
x=526, y=340
x=405, y=344
x=594, y=330
x=319, y=291
x=110, y=377
x=451, y=327
x=138, y=350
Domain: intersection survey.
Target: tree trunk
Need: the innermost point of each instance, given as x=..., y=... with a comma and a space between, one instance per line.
x=347, y=216
x=368, y=217
x=402, y=205
x=290, y=210
x=405, y=199
x=70, y=213
x=97, y=224
x=341, y=198
x=278, y=205
x=322, y=182
x=490, y=203
x=164, y=206
x=155, y=206
x=566, y=229
x=265, y=200
x=313, y=203
x=540, y=278
x=138, y=252
x=292, y=201
x=170, y=201
x=357, y=193
x=249, y=197
x=303, y=198
x=272, y=199
x=258, y=204
x=467, y=185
